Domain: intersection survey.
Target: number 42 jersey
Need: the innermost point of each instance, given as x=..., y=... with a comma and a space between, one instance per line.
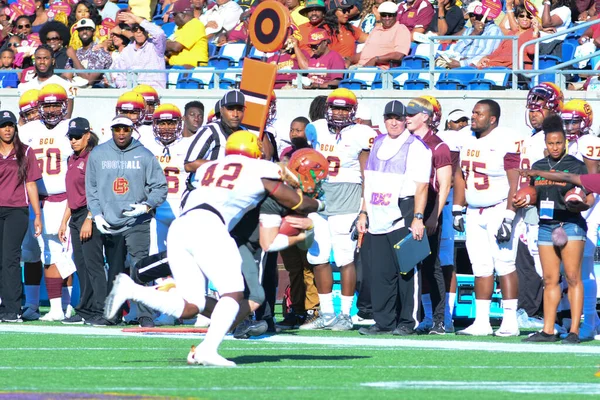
x=232, y=185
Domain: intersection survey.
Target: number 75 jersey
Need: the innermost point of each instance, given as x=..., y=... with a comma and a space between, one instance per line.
x=232, y=185
x=341, y=150
x=484, y=163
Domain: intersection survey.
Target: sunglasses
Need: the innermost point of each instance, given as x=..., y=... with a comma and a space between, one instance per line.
x=24, y=26
x=15, y=45
x=137, y=29
x=125, y=129
x=314, y=46
x=345, y=10
x=74, y=137
x=387, y=15
x=528, y=16
x=53, y=39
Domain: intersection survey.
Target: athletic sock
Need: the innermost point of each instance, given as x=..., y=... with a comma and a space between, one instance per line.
x=170, y=303
x=482, y=311
x=347, y=304
x=449, y=311
x=427, y=309
x=32, y=296
x=510, y=311
x=326, y=301
x=55, y=306
x=220, y=322
x=66, y=296
x=590, y=290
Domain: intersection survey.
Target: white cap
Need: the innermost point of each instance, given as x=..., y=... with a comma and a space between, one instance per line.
x=363, y=112
x=471, y=7
x=456, y=115
x=121, y=120
x=388, y=7
x=84, y=23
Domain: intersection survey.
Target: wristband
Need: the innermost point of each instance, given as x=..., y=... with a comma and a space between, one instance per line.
x=441, y=17
x=89, y=216
x=321, y=205
x=510, y=11
x=299, y=203
x=457, y=208
x=509, y=214
x=547, y=3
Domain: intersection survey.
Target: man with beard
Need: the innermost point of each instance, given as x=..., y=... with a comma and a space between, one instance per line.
x=44, y=75
x=88, y=56
x=314, y=10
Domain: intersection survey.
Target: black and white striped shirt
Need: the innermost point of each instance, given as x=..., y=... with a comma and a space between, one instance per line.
x=208, y=143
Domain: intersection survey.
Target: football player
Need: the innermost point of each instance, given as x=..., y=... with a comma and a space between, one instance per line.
x=152, y=100
x=577, y=119
x=28, y=106
x=346, y=146
x=486, y=179
x=133, y=106
x=226, y=190
x=48, y=139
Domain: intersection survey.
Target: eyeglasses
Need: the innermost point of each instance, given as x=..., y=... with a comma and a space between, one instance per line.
x=315, y=46
x=528, y=16
x=24, y=26
x=387, y=15
x=345, y=10
x=74, y=137
x=125, y=129
x=53, y=39
x=15, y=45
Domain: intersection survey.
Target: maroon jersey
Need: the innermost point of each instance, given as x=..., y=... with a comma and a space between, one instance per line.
x=440, y=157
x=75, y=180
x=14, y=193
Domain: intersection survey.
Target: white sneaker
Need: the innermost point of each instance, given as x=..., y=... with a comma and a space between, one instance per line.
x=425, y=325
x=214, y=359
x=69, y=312
x=507, y=331
x=120, y=293
x=53, y=316
x=165, y=320
x=480, y=329
x=202, y=321
x=356, y=320
x=30, y=314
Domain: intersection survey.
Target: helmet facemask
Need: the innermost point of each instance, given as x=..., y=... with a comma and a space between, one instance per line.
x=165, y=133
x=53, y=117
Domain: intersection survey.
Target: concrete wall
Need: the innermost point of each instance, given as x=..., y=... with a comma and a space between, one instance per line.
x=98, y=105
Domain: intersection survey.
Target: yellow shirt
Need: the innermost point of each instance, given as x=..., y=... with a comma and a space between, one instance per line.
x=192, y=36
x=143, y=8
x=298, y=18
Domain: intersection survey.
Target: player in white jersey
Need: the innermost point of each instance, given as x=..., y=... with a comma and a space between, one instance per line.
x=225, y=191
x=48, y=140
x=542, y=100
x=133, y=106
x=577, y=119
x=152, y=100
x=486, y=179
x=346, y=146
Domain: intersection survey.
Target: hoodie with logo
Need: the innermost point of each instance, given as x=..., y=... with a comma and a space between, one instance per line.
x=116, y=178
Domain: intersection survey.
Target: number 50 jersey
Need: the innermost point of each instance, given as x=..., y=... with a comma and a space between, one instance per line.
x=231, y=185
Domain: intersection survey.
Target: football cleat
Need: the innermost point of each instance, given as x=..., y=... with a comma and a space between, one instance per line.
x=120, y=293
x=30, y=314
x=318, y=321
x=213, y=360
x=477, y=330
x=343, y=322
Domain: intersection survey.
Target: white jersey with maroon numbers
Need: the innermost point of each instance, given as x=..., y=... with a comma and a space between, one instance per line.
x=232, y=186
x=482, y=164
x=52, y=148
x=532, y=150
x=341, y=150
x=587, y=146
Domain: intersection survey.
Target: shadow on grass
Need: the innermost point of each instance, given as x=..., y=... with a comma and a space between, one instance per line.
x=255, y=359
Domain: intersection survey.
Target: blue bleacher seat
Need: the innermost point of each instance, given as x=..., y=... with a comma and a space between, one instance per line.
x=220, y=62
x=416, y=84
x=490, y=78
x=445, y=83
x=353, y=84
x=415, y=62
x=359, y=80
x=547, y=62
x=197, y=80
x=168, y=28
x=235, y=51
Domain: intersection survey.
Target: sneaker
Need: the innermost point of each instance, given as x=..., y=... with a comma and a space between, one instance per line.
x=507, y=331
x=53, y=316
x=425, y=325
x=402, y=330
x=373, y=330
x=146, y=322
x=248, y=328
x=317, y=321
x=540, y=337
x=362, y=318
x=477, y=330
x=30, y=314
x=213, y=359
x=343, y=322
x=74, y=320
x=121, y=290
x=98, y=321
x=438, y=328
x=69, y=312
x=449, y=327
x=202, y=321
x=11, y=318
x=291, y=321
x=165, y=320
x=571, y=338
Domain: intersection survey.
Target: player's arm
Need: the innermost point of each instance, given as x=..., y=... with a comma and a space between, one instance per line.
x=194, y=165
x=363, y=157
x=553, y=176
x=459, y=189
x=291, y=199
x=271, y=240
x=70, y=104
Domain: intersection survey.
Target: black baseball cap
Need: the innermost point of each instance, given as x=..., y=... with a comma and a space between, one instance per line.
x=7, y=116
x=233, y=98
x=78, y=127
x=396, y=108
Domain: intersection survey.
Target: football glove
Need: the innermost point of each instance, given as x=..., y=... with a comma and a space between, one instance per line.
x=505, y=231
x=458, y=220
x=136, y=210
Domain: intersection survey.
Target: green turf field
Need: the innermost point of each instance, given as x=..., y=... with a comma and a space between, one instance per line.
x=83, y=360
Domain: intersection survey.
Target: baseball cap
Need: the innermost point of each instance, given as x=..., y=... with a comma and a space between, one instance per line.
x=7, y=116
x=121, y=120
x=311, y=5
x=317, y=36
x=413, y=107
x=333, y=4
x=457, y=115
x=395, y=107
x=473, y=6
x=182, y=6
x=388, y=7
x=78, y=127
x=84, y=23
x=233, y=98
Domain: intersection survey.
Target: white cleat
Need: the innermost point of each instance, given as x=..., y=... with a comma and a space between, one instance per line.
x=507, y=331
x=213, y=360
x=202, y=321
x=120, y=293
x=53, y=316
x=477, y=330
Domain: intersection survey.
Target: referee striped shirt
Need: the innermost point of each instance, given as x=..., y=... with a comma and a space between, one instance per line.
x=208, y=143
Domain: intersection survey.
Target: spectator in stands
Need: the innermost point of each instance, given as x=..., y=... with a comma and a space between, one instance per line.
x=314, y=10
x=88, y=56
x=192, y=118
x=343, y=35
x=556, y=17
x=190, y=44
x=457, y=119
x=295, y=7
x=57, y=36
x=224, y=16
x=583, y=10
x=527, y=29
x=41, y=17
x=8, y=79
x=286, y=59
x=416, y=15
x=107, y=9
x=449, y=20
x=369, y=16
x=388, y=42
x=22, y=26
x=142, y=8
x=83, y=9
x=470, y=50
x=239, y=34
x=322, y=58
x=5, y=23
x=146, y=51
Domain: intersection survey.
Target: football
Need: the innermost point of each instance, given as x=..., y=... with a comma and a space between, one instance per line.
x=528, y=193
x=286, y=229
x=575, y=195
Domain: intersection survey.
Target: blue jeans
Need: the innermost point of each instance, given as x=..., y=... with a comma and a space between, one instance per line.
x=574, y=232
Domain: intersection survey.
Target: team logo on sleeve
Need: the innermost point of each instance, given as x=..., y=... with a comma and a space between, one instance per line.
x=121, y=185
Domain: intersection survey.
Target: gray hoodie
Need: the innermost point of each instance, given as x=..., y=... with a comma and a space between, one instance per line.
x=117, y=178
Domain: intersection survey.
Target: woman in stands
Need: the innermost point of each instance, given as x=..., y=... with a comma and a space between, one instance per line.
x=343, y=35
x=83, y=9
x=562, y=231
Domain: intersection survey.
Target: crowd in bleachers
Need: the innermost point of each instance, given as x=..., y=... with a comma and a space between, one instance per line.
x=324, y=34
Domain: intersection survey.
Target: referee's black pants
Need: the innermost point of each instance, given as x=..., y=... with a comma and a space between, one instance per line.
x=13, y=226
x=89, y=260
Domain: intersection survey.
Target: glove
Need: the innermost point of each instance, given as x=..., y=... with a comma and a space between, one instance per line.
x=458, y=221
x=321, y=205
x=136, y=210
x=101, y=224
x=505, y=231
